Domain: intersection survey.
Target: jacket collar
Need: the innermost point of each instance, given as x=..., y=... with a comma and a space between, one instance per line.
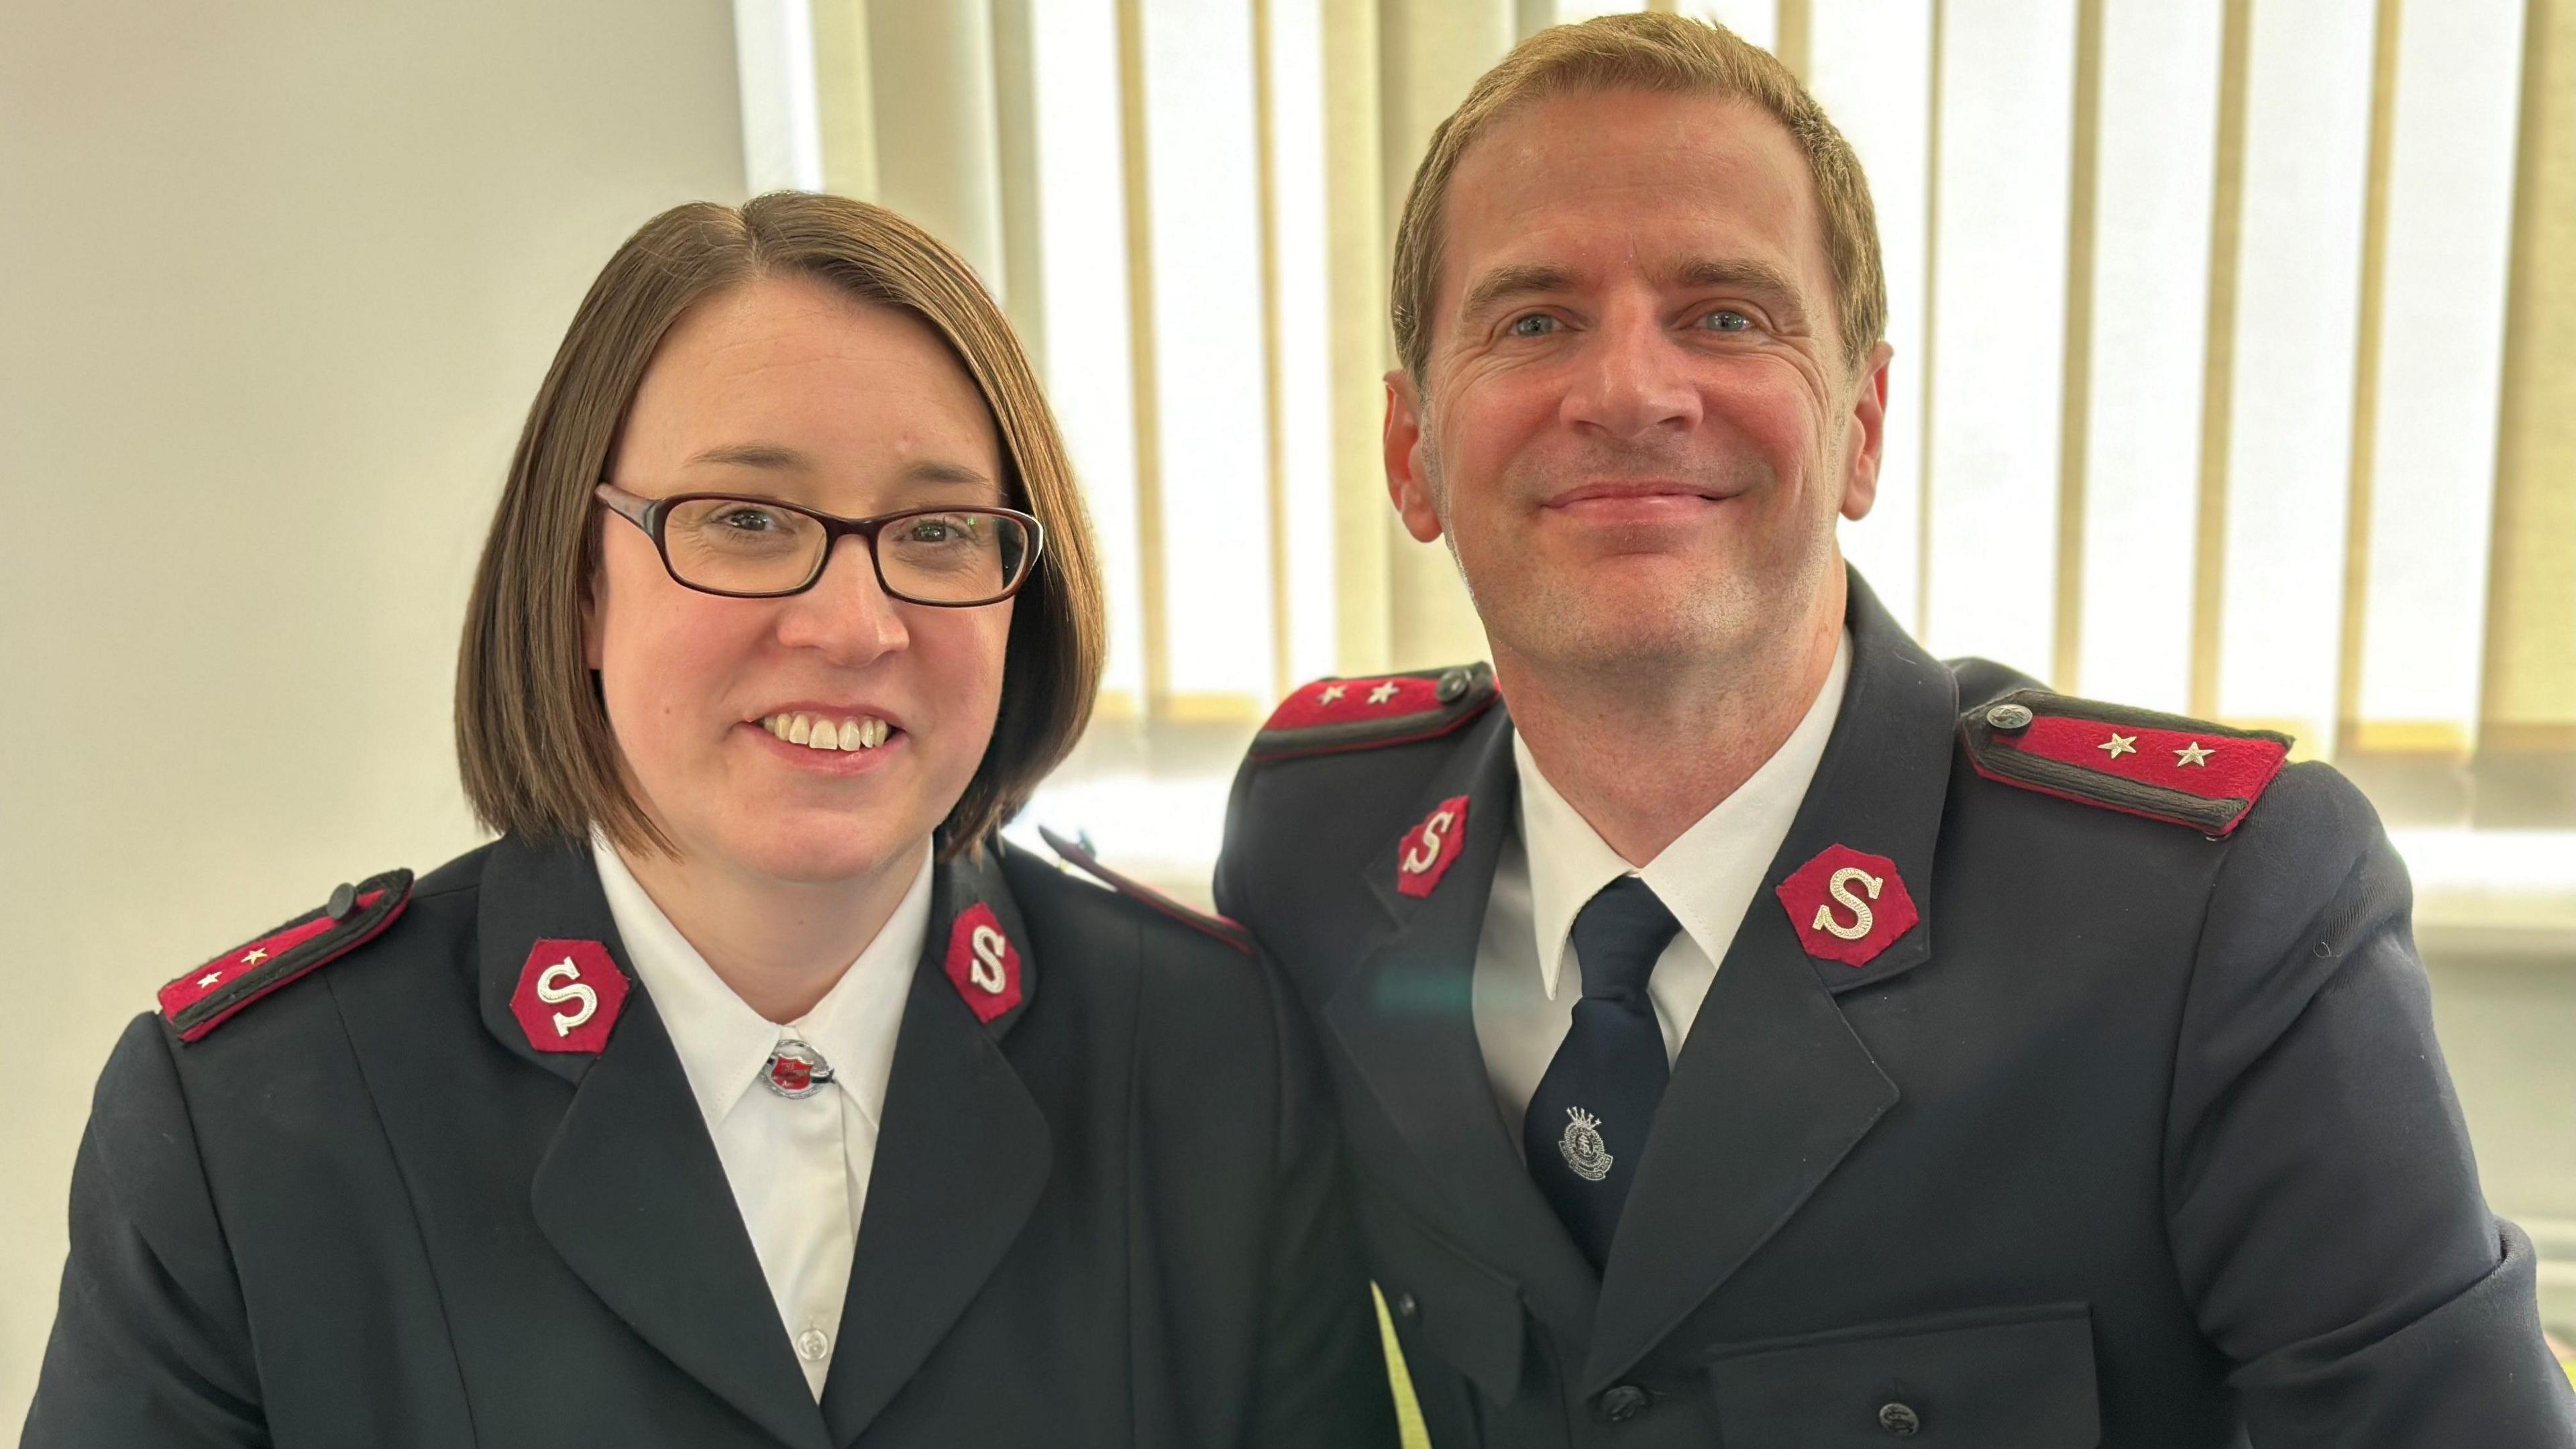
x=633, y=1197
x=962, y=1155
x=630, y=1191
x=1405, y=1018
x=1773, y=1088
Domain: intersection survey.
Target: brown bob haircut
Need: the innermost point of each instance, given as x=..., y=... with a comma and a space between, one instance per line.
x=532, y=737
x=1646, y=52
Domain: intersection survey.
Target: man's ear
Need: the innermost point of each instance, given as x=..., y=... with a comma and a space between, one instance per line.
x=1865, y=435
x=1406, y=487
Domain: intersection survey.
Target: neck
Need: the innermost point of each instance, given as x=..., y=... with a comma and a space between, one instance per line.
x=1643, y=752
x=780, y=945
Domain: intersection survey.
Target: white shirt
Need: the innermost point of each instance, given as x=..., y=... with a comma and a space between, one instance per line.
x=799, y=1169
x=1527, y=979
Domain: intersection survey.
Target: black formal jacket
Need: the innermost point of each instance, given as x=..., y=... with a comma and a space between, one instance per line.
x=365, y=1212
x=2136, y=1138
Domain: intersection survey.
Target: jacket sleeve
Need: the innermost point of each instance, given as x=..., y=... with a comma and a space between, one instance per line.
x=1322, y=1374
x=151, y=1344
x=2323, y=1204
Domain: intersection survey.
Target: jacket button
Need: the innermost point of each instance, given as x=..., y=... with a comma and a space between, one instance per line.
x=1899, y=1420
x=1406, y=1306
x=1623, y=1402
x=2009, y=717
x=1452, y=686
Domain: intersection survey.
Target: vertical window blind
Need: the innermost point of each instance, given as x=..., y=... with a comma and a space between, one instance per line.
x=2235, y=342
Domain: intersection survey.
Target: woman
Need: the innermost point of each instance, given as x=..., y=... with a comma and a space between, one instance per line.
x=747, y=1089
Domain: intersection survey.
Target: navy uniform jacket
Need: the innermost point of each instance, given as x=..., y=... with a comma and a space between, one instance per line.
x=367, y=1212
x=2135, y=1138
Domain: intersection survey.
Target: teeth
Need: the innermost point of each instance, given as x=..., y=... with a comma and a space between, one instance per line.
x=817, y=733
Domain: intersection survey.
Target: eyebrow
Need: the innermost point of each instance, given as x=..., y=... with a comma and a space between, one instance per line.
x=778, y=458
x=1504, y=284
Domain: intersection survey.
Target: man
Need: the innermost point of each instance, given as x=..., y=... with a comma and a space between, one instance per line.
x=1759, y=1032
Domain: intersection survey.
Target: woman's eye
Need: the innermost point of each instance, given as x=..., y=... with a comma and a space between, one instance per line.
x=1726, y=320
x=749, y=520
x=1536, y=324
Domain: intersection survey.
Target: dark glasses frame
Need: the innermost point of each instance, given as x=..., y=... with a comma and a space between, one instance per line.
x=652, y=514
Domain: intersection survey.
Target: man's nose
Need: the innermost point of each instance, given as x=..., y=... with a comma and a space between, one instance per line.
x=847, y=614
x=1634, y=380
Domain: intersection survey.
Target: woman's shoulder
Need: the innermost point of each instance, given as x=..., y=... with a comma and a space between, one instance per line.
x=1102, y=920
x=389, y=920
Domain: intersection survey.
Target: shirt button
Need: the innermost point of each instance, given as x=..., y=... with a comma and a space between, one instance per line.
x=1899, y=1420
x=1622, y=1402
x=1406, y=1305
x=812, y=1344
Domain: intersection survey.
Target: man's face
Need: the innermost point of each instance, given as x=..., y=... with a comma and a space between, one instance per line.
x=1637, y=423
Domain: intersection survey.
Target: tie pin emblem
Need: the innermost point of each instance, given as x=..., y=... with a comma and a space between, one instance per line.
x=1584, y=1150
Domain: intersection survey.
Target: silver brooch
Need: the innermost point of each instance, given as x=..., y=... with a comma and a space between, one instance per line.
x=1584, y=1150
x=795, y=1071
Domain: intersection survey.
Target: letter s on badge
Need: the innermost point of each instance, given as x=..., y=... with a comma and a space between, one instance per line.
x=551, y=988
x=982, y=963
x=575, y=973
x=1427, y=850
x=1838, y=923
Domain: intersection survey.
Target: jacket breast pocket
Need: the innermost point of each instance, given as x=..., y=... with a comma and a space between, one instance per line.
x=2019, y=1378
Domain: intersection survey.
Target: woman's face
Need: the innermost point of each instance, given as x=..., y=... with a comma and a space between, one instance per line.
x=788, y=388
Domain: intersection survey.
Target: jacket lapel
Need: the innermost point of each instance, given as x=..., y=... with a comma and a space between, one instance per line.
x=1406, y=1019
x=962, y=1157
x=1773, y=1088
x=630, y=1192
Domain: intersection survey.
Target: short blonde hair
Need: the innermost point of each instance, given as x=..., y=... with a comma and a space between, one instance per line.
x=532, y=734
x=1651, y=52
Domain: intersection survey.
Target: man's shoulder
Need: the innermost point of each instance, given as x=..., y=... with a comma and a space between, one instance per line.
x=2115, y=757
x=1338, y=772
x=1338, y=716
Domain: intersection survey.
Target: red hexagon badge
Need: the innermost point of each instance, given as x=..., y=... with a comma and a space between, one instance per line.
x=569, y=995
x=1431, y=847
x=1847, y=905
x=982, y=963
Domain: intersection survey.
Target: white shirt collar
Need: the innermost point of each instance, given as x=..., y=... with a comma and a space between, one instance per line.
x=723, y=1044
x=1569, y=861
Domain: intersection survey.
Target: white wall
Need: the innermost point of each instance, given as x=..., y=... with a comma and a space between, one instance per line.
x=277, y=280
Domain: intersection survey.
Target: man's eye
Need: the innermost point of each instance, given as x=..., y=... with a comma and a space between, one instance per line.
x=1536, y=324
x=1725, y=320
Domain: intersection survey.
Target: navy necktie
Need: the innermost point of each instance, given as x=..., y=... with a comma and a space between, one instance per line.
x=1587, y=1121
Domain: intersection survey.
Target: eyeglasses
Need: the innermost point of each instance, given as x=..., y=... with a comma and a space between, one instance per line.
x=759, y=548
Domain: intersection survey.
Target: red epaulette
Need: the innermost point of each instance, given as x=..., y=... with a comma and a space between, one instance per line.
x=1333, y=715
x=1080, y=856
x=206, y=997
x=2135, y=761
